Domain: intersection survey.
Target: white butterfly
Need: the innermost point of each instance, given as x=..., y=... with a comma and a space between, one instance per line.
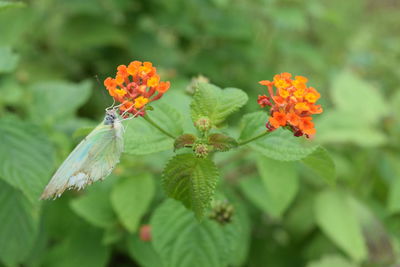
x=92, y=160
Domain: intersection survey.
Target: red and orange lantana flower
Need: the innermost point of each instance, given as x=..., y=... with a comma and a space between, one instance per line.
x=292, y=104
x=135, y=86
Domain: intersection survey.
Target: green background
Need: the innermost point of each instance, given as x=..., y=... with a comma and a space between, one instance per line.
x=54, y=56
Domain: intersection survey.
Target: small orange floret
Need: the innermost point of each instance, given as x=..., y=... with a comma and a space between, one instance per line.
x=135, y=86
x=153, y=81
x=141, y=101
x=110, y=83
x=283, y=92
x=163, y=87
x=278, y=119
x=266, y=83
x=122, y=71
x=293, y=104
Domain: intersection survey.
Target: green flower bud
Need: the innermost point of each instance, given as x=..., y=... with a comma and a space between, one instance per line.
x=203, y=124
x=201, y=150
x=222, y=212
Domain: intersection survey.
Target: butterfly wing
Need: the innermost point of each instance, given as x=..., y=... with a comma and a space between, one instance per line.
x=93, y=159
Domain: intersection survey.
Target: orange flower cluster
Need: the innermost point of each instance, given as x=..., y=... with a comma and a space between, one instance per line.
x=135, y=86
x=292, y=104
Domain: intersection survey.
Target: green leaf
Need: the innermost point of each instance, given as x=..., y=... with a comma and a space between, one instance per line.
x=26, y=157
x=279, y=144
x=9, y=59
x=337, y=126
x=338, y=221
x=55, y=100
x=253, y=189
x=182, y=241
x=143, y=252
x=332, y=261
x=10, y=4
x=321, y=163
x=347, y=91
x=142, y=138
x=81, y=247
x=378, y=241
x=280, y=182
x=184, y=140
x=191, y=180
x=216, y=104
x=18, y=225
x=95, y=206
x=131, y=198
x=221, y=142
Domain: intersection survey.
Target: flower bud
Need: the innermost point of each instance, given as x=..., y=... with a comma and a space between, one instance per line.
x=203, y=124
x=222, y=212
x=201, y=150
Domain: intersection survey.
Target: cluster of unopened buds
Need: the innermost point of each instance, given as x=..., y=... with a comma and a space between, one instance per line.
x=135, y=86
x=291, y=105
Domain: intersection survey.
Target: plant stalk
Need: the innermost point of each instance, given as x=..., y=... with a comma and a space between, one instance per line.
x=147, y=118
x=253, y=138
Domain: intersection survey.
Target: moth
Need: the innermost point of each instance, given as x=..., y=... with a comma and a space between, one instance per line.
x=93, y=159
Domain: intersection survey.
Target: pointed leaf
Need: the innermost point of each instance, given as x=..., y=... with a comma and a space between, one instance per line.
x=221, y=142
x=182, y=241
x=26, y=157
x=131, y=198
x=18, y=225
x=184, y=140
x=95, y=206
x=142, y=138
x=143, y=252
x=280, y=182
x=322, y=164
x=279, y=144
x=191, y=180
x=216, y=104
x=338, y=221
x=60, y=97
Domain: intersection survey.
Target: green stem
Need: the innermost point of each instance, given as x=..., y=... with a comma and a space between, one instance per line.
x=147, y=118
x=253, y=138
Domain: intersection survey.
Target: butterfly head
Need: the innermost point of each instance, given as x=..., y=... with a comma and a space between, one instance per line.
x=111, y=116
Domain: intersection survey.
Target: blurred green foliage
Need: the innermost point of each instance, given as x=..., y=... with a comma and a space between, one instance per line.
x=54, y=56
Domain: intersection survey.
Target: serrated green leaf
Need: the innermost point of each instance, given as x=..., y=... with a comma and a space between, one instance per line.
x=279, y=144
x=184, y=140
x=216, y=104
x=9, y=59
x=142, y=138
x=182, y=241
x=191, y=180
x=221, y=142
x=322, y=164
x=95, y=206
x=131, y=198
x=143, y=252
x=55, y=100
x=332, y=261
x=338, y=221
x=26, y=157
x=281, y=184
x=18, y=225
